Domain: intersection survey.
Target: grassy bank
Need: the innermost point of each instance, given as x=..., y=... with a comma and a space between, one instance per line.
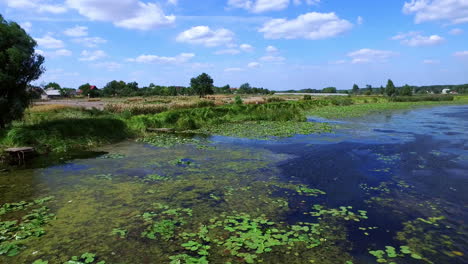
x=60, y=129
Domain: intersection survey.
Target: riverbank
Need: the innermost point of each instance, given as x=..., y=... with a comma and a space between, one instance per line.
x=62, y=129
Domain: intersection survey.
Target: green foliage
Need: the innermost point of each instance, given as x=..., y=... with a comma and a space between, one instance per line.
x=390, y=89
x=304, y=190
x=307, y=97
x=392, y=254
x=406, y=91
x=238, y=100
x=27, y=223
x=329, y=90
x=19, y=65
x=163, y=221
x=85, y=258
x=355, y=89
x=424, y=98
x=343, y=212
x=275, y=100
x=87, y=91
x=122, y=233
x=202, y=85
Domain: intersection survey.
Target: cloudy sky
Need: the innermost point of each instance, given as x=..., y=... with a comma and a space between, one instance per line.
x=276, y=44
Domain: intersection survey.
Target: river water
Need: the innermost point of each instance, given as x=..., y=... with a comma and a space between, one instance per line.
x=388, y=188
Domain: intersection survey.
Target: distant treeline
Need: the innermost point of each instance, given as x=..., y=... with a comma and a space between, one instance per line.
x=123, y=89
x=369, y=90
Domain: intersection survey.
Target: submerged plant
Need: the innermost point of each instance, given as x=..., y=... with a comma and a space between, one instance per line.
x=344, y=212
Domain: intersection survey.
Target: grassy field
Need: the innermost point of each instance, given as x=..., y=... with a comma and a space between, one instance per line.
x=61, y=128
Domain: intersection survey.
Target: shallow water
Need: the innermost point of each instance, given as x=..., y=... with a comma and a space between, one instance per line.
x=408, y=170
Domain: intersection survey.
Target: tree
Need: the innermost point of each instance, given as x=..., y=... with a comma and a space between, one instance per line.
x=390, y=90
x=19, y=65
x=369, y=89
x=355, y=89
x=202, y=85
x=406, y=91
x=87, y=89
x=329, y=90
x=53, y=85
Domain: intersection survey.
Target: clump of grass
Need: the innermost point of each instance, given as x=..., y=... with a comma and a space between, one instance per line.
x=434, y=98
x=47, y=108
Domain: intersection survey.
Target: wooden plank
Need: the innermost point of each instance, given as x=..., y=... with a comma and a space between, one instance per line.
x=22, y=149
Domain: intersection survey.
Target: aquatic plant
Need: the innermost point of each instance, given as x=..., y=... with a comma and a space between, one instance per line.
x=304, y=190
x=85, y=258
x=344, y=212
x=392, y=254
x=122, y=233
x=30, y=224
x=163, y=222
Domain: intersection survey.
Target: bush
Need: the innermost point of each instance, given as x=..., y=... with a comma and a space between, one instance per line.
x=307, y=97
x=341, y=101
x=238, y=100
x=435, y=98
x=275, y=100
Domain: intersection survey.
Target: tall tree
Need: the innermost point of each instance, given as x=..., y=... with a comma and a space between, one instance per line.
x=19, y=65
x=390, y=90
x=202, y=85
x=406, y=91
x=355, y=89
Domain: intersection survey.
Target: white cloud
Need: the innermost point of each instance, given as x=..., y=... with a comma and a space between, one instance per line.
x=36, y=6
x=227, y=51
x=108, y=65
x=260, y=6
x=272, y=58
x=415, y=39
x=90, y=42
x=271, y=49
x=233, y=69
x=27, y=26
x=337, y=62
x=454, y=11
x=456, y=31
x=431, y=61
x=92, y=55
x=172, y=2
x=246, y=47
x=371, y=55
x=360, y=20
x=55, y=53
x=203, y=35
x=49, y=42
x=308, y=26
x=181, y=58
x=131, y=14
x=461, y=54
x=77, y=31
x=63, y=52
x=253, y=65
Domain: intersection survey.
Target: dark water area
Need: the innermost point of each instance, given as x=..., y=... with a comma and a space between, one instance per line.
x=405, y=172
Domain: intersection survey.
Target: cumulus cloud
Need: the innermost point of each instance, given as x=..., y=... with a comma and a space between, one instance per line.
x=431, y=61
x=371, y=55
x=108, y=65
x=233, y=69
x=49, y=42
x=181, y=58
x=77, y=31
x=92, y=55
x=271, y=49
x=260, y=6
x=253, y=65
x=308, y=26
x=461, y=54
x=246, y=47
x=272, y=58
x=27, y=26
x=456, y=31
x=453, y=11
x=38, y=6
x=130, y=14
x=55, y=53
x=415, y=39
x=90, y=42
x=203, y=35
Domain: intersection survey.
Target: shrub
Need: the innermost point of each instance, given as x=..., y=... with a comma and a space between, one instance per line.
x=307, y=97
x=435, y=98
x=274, y=100
x=238, y=100
x=341, y=101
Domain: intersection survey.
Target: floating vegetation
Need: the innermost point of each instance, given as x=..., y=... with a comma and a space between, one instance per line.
x=104, y=176
x=29, y=223
x=266, y=129
x=163, y=222
x=304, y=190
x=154, y=178
x=171, y=140
x=122, y=233
x=391, y=254
x=344, y=212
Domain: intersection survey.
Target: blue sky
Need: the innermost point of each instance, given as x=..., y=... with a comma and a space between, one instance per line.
x=276, y=44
